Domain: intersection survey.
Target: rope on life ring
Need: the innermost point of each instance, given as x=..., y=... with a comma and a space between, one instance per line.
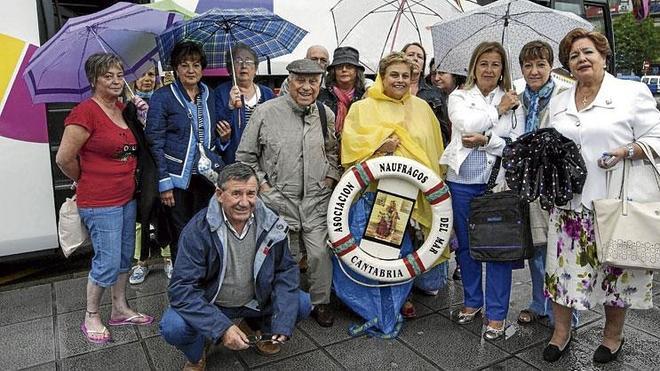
x=357, y=178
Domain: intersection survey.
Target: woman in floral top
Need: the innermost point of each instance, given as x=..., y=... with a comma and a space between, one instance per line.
x=604, y=116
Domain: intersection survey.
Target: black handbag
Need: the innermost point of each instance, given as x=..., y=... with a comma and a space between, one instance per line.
x=499, y=226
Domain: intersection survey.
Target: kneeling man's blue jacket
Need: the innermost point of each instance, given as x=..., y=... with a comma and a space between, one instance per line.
x=200, y=268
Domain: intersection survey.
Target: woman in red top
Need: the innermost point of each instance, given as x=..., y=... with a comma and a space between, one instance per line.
x=98, y=151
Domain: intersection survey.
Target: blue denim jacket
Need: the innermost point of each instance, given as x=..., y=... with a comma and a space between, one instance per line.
x=173, y=144
x=200, y=267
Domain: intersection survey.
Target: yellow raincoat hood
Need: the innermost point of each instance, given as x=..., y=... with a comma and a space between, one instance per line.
x=372, y=120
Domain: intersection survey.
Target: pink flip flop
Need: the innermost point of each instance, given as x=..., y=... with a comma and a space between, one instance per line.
x=133, y=320
x=104, y=340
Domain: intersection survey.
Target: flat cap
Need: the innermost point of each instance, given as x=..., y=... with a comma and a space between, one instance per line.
x=304, y=66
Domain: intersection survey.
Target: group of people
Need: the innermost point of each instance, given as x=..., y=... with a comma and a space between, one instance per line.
x=244, y=178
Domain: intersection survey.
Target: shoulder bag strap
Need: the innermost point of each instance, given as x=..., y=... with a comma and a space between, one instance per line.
x=324, y=120
x=496, y=170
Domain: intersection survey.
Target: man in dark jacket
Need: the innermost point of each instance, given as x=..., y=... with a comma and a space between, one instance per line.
x=234, y=262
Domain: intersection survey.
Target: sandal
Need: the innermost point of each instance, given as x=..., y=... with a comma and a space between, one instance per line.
x=132, y=320
x=528, y=316
x=89, y=333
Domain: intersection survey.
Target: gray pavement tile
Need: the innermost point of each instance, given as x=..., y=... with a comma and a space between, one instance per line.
x=25, y=304
x=646, y=320
x=316, y=360
x=120, y=358
x=640, y=349
x=73, y=342
x=517, y=337
x=521, y=275
x=70, y=294
x=50, y=366
x=299, y=343
x=448, y=345
x=588, y=317
x=30, y=343
x=338, y=332
x=451, y=295
x=511, y=364
x=167, y=357
x=578, y=357
x=373, y=353
x=155, y=306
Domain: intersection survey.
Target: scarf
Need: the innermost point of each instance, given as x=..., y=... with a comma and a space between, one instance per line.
x=536, y=102
x=146, y=95
x=344, y=98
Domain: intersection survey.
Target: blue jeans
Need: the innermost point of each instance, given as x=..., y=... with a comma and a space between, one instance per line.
x=540, y=304
x=176, y=331
x=498, y=274
x=112, y=231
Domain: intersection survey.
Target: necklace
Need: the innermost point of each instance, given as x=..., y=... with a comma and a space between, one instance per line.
x=586, y=98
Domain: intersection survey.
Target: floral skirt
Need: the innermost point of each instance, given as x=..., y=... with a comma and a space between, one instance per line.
x=573, y=275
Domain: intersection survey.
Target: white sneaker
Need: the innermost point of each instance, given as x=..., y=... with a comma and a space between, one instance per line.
x=139, y=274
x=168, y=269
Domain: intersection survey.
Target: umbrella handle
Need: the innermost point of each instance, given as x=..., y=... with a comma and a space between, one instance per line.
x=130, y=91
x=231, y=56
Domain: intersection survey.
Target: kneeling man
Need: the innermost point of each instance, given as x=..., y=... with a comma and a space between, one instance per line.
x=233, y=262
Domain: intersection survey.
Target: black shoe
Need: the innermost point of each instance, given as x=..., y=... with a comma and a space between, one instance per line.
x=323, y=316
x=457, y=274
x=603, y=354
x=552, y=353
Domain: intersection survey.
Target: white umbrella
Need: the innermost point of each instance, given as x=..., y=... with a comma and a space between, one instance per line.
x=377, y=27
x=511, y=22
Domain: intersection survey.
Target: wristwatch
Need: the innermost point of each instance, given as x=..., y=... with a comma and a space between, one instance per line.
x=631, y=150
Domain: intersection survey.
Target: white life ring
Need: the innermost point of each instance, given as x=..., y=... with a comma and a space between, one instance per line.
x=357, y=178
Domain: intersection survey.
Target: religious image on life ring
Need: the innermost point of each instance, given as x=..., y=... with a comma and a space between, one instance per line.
x=389, y=218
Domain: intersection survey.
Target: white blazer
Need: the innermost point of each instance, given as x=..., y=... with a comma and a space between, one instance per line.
x=622, y=112
x=469, y=112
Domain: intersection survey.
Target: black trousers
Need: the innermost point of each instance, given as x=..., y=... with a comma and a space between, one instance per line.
x=187, y=202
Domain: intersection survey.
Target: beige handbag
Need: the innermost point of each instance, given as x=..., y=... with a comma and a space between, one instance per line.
x=627, y=226
x=70, y=228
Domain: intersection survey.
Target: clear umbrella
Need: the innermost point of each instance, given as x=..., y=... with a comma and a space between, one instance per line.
x=511, y=22
x=377, y=27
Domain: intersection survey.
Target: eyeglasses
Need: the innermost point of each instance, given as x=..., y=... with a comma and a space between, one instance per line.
x=254, y=340
x=244, y=62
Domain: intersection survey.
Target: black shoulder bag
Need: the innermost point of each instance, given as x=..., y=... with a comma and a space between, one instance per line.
x=499, y=226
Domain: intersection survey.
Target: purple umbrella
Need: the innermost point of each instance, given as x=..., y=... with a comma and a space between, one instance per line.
x=205, y=5
x=56, y=72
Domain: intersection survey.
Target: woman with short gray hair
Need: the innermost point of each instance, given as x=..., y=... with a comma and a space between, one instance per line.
x=99, y=151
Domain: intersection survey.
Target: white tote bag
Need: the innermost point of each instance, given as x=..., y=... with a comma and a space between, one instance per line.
x=70, y=228
x=627, y=227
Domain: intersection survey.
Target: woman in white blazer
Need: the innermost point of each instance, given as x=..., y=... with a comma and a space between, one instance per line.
x=604, y=116
x=482, y=115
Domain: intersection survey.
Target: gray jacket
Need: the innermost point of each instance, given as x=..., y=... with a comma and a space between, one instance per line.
x=284, y=143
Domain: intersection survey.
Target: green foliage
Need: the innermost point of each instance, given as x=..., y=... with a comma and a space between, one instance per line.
x=635, y=42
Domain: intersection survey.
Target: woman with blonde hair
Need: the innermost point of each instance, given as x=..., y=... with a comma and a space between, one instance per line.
x=392, y=121
x=482, y=115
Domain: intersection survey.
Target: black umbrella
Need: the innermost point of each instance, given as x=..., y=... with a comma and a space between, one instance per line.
x=546, y=165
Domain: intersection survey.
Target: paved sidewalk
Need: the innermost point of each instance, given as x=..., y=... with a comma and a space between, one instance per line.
x=39, y=330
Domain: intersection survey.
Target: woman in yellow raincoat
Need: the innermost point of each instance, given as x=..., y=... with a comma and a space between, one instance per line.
x=391, y=121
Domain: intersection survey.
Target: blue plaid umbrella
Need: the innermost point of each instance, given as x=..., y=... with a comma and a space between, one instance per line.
x=218, y=29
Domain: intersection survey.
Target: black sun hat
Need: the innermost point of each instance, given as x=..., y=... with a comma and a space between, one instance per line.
x=346, y=55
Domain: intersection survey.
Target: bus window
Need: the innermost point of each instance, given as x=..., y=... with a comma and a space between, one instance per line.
x=573, y=6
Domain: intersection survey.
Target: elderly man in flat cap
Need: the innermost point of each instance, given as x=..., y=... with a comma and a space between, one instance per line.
x=290, y=142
